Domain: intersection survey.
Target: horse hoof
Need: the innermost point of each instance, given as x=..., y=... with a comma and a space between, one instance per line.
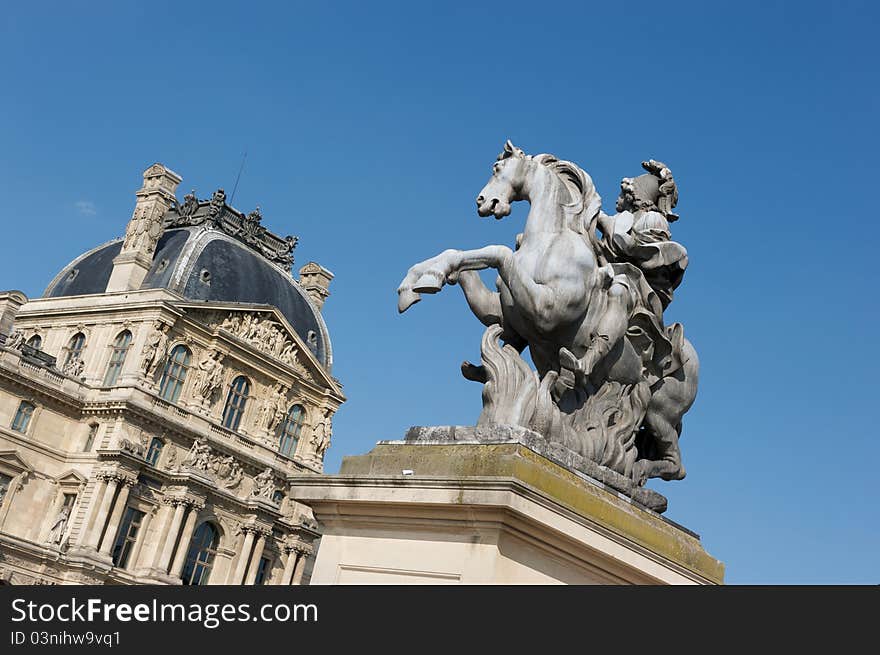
x=406, y=298
x=473, y=372
x=429, y=283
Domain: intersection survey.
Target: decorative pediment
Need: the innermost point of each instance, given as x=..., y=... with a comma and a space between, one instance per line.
x=71, y=478
x=266, y=330
x=12, y=464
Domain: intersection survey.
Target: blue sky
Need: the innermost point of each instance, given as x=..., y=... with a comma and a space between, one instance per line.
x=370, y=127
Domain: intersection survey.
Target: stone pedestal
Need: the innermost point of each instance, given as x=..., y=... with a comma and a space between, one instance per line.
x=423, y=512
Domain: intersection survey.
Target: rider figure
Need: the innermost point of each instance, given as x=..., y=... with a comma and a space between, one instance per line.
x=638, y=235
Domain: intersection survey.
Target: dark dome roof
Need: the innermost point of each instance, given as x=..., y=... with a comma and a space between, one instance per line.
x=201, y=263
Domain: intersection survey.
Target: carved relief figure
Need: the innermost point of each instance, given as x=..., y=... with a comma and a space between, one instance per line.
x=266, y=335
x=234, y=474
x=288, y=354
x=321, y=435
x=59, y=526
x=264, y=484
x=136, y=448
x=155, y=349
x=171, y=459
x=15, y=340
x=74, y=367
x=273, y=408
x=209, y=377
x=199, y=457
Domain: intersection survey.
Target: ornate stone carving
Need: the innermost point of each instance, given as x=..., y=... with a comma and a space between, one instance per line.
x=199, y=457
x=4, y=488
x=132, y=447
x=59, y=526
x=15, y=340
x=189, y=206
x=321, y=434
x=612, y=381
x=74, y=368
x=264, y=485
x=224, y=469
x=273, y=409
x=171, y=458
x=264, y=334
x=229, y=472
x=155, y=349
x=247, y=228
x=209, y=377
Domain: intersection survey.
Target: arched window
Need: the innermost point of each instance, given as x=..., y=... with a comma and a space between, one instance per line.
x=74, y=349
x=154, y=451
x=23, y=416
x=235, y=402
x=35, y=342
x=200, y=557
x=175, y=373
x=117, y=358
x=288, y=431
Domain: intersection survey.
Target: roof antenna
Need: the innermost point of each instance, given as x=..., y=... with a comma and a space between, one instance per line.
x=238, y=177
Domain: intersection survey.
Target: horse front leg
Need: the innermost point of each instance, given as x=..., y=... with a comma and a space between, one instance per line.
x=430, y=275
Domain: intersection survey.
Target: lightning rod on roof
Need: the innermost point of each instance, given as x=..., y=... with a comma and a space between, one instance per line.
x=238, y=177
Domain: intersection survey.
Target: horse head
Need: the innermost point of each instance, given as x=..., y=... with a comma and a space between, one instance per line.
x=509, y=173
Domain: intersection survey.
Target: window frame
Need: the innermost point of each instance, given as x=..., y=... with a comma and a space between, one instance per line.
x=90, y=437
x=287, y=440
x=156, y=445
x=21, y=421
x=126, y=539
x=236, y=403
x=174, y=373
x=195, y=564
x=118, y=355
x=72, y=351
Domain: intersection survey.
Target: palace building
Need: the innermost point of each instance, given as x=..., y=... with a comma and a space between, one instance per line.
x=157, y=397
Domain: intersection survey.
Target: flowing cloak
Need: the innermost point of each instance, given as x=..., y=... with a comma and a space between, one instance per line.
x=644, y=241
x=659, y=347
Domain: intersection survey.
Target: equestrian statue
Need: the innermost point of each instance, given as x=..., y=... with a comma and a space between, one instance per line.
x=585, y=292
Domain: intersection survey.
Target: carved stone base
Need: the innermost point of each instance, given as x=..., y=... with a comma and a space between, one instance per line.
x=555, y=452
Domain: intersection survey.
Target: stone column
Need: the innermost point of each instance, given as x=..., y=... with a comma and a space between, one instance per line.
x=183, y=548
x=164, y=523
x=97, y=496
x=243, y=557
x=289, y=565
x=139, y=544
x=255, y=560
x=103, y=511
x=304, y=552
x=115, y=517
x=171, y=538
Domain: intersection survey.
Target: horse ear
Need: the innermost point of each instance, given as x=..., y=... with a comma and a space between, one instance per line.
x=511, y=150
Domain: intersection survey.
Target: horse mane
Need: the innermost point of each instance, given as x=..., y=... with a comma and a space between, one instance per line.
x=586, y=202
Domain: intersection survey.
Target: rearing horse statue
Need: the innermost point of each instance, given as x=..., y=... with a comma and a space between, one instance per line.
x=611, y=383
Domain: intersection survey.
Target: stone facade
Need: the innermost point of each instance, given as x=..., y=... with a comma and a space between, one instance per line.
x=148, y=438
